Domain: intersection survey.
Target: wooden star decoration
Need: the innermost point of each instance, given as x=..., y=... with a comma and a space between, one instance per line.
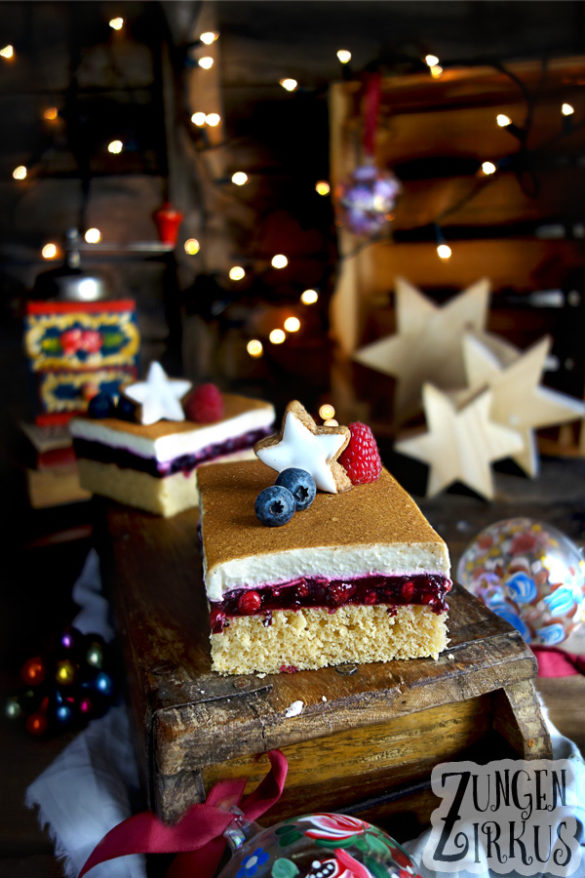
x=159, y=396
x=301, y=443
x=428, y=342
x=461, y=442
x=518, y=399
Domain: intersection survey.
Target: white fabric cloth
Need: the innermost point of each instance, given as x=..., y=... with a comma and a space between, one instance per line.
x=93, y=784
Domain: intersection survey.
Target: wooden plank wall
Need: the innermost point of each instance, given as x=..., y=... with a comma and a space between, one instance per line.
x=522, y=230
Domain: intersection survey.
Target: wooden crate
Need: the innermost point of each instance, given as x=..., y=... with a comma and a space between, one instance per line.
x=367, y=737
x=522, y=232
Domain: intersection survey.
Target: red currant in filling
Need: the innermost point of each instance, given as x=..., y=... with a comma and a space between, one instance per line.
x=249, y=603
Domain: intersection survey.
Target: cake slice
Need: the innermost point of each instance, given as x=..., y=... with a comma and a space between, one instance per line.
x=152, y=466
x=359, y=576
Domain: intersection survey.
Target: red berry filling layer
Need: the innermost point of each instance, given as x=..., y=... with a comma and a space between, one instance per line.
x=423, y=588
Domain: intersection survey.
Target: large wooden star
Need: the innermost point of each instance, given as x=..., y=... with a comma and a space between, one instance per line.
x=518, y=400
x=461, y=442
x=428, y=343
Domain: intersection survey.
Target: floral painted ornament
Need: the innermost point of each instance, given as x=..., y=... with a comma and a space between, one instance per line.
x=321, y=846
x=531, y=575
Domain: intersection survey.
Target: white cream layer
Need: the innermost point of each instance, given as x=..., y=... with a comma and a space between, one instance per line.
x=175, y=444
x=331, y=562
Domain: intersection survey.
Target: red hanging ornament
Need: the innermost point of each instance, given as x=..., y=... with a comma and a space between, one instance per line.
x=168, y=220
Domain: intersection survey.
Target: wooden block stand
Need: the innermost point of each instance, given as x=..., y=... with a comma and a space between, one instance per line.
x=367, y=737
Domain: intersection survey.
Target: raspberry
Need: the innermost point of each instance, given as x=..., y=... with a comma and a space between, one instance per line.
x=249, y=603
x=361, y=458
x=204, y=404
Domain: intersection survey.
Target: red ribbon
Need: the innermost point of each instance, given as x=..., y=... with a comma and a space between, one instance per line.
x=555, y=662
x=372, y=87
x=200, y=830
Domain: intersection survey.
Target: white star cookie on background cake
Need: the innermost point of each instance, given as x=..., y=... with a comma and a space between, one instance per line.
x=159, y=396
x=301, y=443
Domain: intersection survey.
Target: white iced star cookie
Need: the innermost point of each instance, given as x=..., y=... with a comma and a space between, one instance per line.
x=301, y=443
x=159, y=396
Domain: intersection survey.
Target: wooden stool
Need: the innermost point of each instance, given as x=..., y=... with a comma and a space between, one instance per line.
x=367, y=736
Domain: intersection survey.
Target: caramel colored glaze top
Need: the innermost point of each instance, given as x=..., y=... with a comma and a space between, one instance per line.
x=234, y=405
x=379, y=512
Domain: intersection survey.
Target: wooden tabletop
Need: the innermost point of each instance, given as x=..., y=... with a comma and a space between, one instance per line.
x=557, y=496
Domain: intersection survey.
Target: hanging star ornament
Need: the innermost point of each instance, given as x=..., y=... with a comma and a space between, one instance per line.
x=159, y=396
x=301, y=443
x=461, y=442
x=518, y=399
x=427, y=345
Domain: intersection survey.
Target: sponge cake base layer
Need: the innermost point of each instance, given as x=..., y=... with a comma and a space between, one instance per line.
x=313, y=638
x=162, y=496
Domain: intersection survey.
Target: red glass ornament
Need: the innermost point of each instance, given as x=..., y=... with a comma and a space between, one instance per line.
x=168, y=220
x=34, y=671
x=36, y=724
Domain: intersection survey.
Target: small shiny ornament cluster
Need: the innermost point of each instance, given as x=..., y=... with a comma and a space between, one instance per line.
x=530, y=574
x=366, y=201
x=67, y=689
x=319, y=846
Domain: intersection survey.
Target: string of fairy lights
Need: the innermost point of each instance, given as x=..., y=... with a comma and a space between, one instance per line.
x=201, y=119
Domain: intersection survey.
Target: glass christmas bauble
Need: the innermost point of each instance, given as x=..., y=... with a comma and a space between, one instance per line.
x=365, y=202
x=530, y=574
x=317, y=846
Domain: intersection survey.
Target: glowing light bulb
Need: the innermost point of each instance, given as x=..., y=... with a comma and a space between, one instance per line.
x=326, y=411
x=343, y=56
x=213, y=120
x=288, y=84
x=255, y=348
x=50, y=251
x=431, y=60
x=208, y=37
x=239, y=178
x=115, y=147
x=502, y=120
x=309, y=297
x=279, y=260
x=198, y=119
x=444, y=251
x=237, y=272
x=93, y=236
x=206, y=62
x=488, y=168
x=20, y=172
x=7, y=52
x=436, y=71
x=322, y=187
x=567, y=109
x=192, y=246
x=116, y=23
x=277, y=336
x=292, y=324
x=50, y=114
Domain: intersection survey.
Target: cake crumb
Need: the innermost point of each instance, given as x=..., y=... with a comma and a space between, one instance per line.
x=323, y=698
x=261, y=676
x=450, y=656
x=294, y=709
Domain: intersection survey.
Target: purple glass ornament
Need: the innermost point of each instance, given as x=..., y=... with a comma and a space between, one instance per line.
x=366, y=200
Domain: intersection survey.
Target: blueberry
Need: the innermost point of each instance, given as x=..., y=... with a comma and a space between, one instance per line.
x=301, y=485
x=101, y=405
x=274, y=506
x=125, y=409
